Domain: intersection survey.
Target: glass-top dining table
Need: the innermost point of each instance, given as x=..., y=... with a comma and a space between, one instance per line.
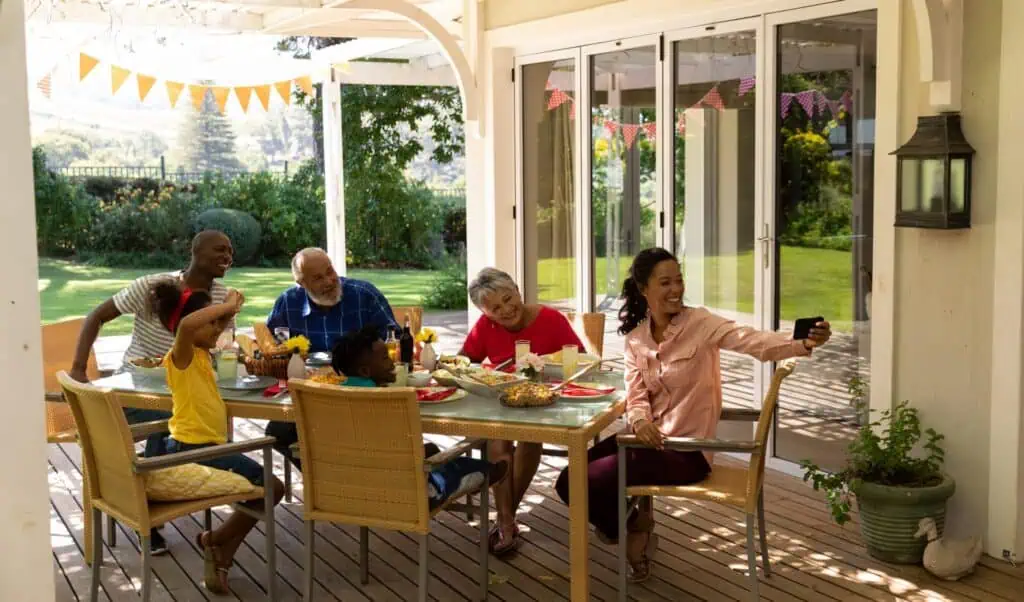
x=569, y=422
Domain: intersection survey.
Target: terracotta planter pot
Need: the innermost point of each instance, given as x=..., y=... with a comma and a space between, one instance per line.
x=889, y=517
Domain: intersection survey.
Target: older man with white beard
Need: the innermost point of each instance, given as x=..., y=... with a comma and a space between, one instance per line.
x=322, y=307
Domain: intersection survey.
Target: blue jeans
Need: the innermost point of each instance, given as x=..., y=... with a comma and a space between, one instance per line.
x=445, y=480
x=236, y=463
x=154, y=443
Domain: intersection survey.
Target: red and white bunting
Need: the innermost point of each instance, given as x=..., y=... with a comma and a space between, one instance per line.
x=847, y=100
x=806, y=100
x=650, y=130
x=681, y=124
x=629, y=132
x=558, y=98
x=713, y=99
x=746, y=85
x=822, y=102
x=785, y=102
x=611, y=127
x=549, y=86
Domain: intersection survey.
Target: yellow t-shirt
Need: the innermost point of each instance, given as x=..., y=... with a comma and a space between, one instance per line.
x=199, y=414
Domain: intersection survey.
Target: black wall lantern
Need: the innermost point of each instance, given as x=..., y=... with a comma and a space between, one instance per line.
x=934, y=175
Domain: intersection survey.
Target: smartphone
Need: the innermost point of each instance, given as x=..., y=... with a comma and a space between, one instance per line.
x=803, y=326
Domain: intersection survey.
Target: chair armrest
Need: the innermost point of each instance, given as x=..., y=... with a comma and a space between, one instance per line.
x=144, y=429
x=692, y=444
x=53, y=396
x=452, y=452
x=205, y=453
x=740, y=414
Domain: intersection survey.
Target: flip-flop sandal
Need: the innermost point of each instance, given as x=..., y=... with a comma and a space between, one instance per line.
x=500, y=546
x=641, y=571
x=215, y=577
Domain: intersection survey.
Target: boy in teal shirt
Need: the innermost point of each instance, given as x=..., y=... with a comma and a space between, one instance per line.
x=363, y=358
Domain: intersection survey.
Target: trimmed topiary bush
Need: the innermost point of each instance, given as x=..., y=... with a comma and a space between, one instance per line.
x=242, y=228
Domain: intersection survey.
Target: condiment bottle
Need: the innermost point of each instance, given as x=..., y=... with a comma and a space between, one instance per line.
x=405, y=344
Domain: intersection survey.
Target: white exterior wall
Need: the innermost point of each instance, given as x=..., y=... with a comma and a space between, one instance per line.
x=26, y=564
x=948, y=328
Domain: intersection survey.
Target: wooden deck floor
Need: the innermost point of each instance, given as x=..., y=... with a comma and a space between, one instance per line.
x=701, y=556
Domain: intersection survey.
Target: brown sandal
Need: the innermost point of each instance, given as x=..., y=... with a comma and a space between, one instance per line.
x=640, y=571
x=215, y=574
x=501, y=546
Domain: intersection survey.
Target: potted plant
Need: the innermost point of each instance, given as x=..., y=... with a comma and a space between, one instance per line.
x=895, y=482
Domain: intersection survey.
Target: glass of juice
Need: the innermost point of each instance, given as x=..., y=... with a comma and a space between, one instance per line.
x=522, y=350
x=570, y=359
x=227, y=364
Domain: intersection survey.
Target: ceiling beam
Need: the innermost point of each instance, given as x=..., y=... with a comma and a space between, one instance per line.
x=394, y=74
x=338, y=23
x=135, y=16
x=356, y=49
x=263, y=3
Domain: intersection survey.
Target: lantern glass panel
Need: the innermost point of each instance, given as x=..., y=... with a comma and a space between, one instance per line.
x=910, y=194
x=957, y=184
x=932, y=188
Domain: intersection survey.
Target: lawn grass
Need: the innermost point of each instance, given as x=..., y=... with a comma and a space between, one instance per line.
x=70, y=290
x=813, y=282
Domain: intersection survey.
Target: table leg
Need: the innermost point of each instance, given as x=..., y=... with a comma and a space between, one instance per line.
x=579, y=557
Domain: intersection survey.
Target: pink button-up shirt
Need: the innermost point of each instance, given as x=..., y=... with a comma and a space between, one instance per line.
x=677, y=384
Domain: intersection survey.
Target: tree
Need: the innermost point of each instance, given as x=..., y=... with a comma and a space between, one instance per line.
x=207, y=141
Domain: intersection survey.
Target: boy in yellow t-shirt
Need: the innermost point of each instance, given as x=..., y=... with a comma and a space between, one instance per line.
x=199, y=416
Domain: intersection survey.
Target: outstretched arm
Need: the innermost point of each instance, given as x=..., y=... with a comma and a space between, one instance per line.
x=103, y=313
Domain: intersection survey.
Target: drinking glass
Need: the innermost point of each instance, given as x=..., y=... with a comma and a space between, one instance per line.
x=522, y=350
x=570, y=357
x=227, y=364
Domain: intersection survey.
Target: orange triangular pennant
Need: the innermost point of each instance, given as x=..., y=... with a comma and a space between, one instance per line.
x=305, y=83
x=174, y=92
x=198, y=95
x=45, y=85
x=220, y=96
x=146, y=84
x=117, y=77
x=263, y=93
x=285, y=90
x=243, y=94
x=86, y=64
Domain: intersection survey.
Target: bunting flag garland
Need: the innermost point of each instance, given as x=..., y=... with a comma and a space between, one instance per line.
x=611, y=127
x=713, y=99
x=86, y=64
x=145, y=84
x=847, y=100
x=243, y=94
x=263, y=93
x=558, y=98
x=45, y=85
x=220, y=96
x=822, y=102
x=174, y=92
x=198, y=94
x=629, y=132
x=681, y=124
x=806, y=100
x=650, y=130
x=746, y=85
x=785, y=102
x=284, y=89
x=118, y=75
x=305, y=83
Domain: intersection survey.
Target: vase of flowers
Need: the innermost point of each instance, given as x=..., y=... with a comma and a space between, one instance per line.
x=531, y=366
x=428, y=357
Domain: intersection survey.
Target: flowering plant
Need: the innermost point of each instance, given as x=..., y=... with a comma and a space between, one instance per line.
x=426, y=335
x=530, y=365
x=298, y=343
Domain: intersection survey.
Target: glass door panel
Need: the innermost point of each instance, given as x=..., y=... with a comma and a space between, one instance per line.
x=714, y=193
x=623, y=169
x=548, y=155
x=824, y=160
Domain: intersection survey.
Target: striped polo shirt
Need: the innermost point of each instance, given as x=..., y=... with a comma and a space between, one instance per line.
x=150, y=338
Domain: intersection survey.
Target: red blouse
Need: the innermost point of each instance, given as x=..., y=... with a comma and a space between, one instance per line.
x=548, y=333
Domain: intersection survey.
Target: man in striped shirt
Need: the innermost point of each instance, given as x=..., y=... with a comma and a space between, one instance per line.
x=212, y=255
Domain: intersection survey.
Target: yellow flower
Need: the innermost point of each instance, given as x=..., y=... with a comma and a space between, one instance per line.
x=299, y=343
x=427, y=336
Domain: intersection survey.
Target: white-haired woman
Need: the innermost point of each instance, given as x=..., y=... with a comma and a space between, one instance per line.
x=505, y=320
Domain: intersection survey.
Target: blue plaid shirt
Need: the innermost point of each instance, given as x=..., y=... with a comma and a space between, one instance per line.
x=361, y=305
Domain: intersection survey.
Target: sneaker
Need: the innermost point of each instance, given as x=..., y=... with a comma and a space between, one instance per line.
x=157, y=543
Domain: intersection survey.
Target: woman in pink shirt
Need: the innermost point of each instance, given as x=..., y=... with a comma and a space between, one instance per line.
x=674, y=389
x=506, y=320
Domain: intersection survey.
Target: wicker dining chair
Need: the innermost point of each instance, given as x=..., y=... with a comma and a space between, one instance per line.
x=362, y=462
x=59, y=342
x=116, y=485
x=593, y=329
x=413, y=312
x=737, y=486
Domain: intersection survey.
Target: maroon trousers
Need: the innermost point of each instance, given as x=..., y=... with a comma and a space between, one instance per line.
x=644, y=466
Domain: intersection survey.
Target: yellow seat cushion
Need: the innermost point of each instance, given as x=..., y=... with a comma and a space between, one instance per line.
x=193, y=482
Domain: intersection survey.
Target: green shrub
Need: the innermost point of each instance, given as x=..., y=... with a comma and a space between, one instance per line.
x=242, y=228
x=390, y=222
x=448, y=290
x=105, y=188
x=139, y=229
x=453, y=229
x=63, y=210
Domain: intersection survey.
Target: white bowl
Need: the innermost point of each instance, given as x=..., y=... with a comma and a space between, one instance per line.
x=420, y=378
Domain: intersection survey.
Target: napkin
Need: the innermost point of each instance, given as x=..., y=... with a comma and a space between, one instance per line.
x=428, y=395
x=572, y=390
x=272, y=390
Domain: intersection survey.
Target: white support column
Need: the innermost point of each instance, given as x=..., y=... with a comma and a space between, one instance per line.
x=26, y=572
x=334, y=171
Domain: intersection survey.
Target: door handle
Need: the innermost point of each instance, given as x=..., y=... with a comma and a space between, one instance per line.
x=765, y=241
